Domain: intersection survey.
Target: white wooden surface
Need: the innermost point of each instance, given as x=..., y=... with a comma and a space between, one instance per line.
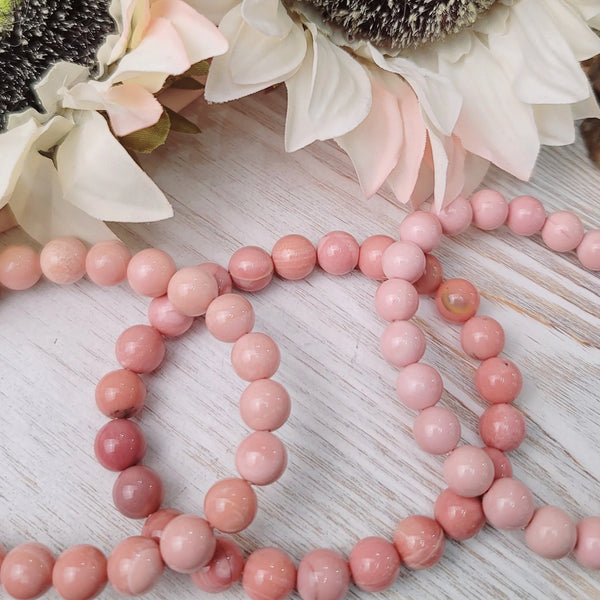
x=353, y=469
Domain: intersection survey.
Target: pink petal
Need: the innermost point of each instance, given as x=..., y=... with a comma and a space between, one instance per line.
x=131, y=107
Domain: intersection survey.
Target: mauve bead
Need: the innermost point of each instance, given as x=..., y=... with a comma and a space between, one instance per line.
x=337, y=253
x=456, y=216
x=138, y=492
x=140, y=349
x=230, y=505
x=432, y=277
x=166, y=319
x=229, y=317
x=323, y=574
x=26, y=571
x=63, y=260
x=223, y=570
x=422, y=228
x=587, y=549
x=106, y=262
x=269, y=574
x=261, y=458
x=457, y=300
x=468, y=471
x=562, y=231
x=460, y=518
x=19, y=267
x=508, y=504
x=80, y=573
x=482, y=337
x=551, y=533
x=187, y=543
x=294, y=257
x=402, y=343
x=120, y=444
x=588, y=250
x=251, y=268
x=155, y=524
x=120, y=394
x=526, y=215
x=191, y=290
x=419, y=386
x=420, y=542
x=149, y=272
x=502, y=426
x=403, y=260
x=490, y=209
x=255, y=356
x=371, y=254
x=396, y=300
x=224, y=282
x=265, y=405
x=436, y=430
x=374, y=564
x=498, y=380
x=135, y=566
x=502, y=464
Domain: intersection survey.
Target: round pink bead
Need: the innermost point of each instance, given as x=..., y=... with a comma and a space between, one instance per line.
x=588, y=250
x=337, y=253
x=374, y=564
x=420, y=542
x=269, y=574
x=119, y=444
x=120, y=394
x=140, y=349
x=457, y=300
x=587, y=549
x=19, y=267
x=187, y=543
x=224, y=282
x=419, y=386
x=502, y=426
x=468, y=471
x=106, y=262
x=526, y=215
x=436, y=430
x=323, y=575
x=166, y=319
x=265, y=405
x=482, y=337
x=251, y=268
x=26, y=571
x=155, y=524
x=294, y=257
x=432, y=277
x=371, y=254
x=63, y=260
x=255, y=356
x=230, y=505
x=508, y=504
x=456, y=216
x=498, y=380
x=422, y=228
x=149, y=272
x=490, y=209
x=396, y=300
x=79, y=573
x=460, y=518
x=562, y=231
x=261, y=458
x=138, y=492
x=191, y=290
x=223, y=570
x=135, y=566
x=403, y=260
x=551, y=533
x=502, y=465
x=402, y=343
x=229, y=317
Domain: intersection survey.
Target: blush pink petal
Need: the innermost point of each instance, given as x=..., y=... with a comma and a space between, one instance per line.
x=131, y=107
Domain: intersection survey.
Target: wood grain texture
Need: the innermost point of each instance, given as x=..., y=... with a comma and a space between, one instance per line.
x=353, y=469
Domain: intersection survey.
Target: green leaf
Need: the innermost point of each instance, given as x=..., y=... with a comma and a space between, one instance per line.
x=181, y=124
x=199, y=69
x=147, y=140
x=186, y=83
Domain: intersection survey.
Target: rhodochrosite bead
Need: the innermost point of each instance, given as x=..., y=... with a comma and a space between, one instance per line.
x=588, y=250
x=191, y=290
x=526, y=215
x=135, y=566
x=396, y=300
x=502, y=466
x=419, y=386
x=230, y=505
x=294, y=257
x=460, y=518
x=551, y=533
x=502, y=426
x=140, y=349
x=261, y=458
x=587, y=549
x=337, y=253
x=371, y=254
x=490, y=209
x=149, y=272
x=498, y=380
x=119, y=445
x=482, y=337
x=106, y=262
x=323, y=575
x=374, y=564
x=432, y=276
x=420, y=542
x=138, y=492
x=269, y=574
x=251, y=268
x=26, y=571
x=422, y=228
x=223, y=570
x=187, y=543
x=155, y=524
x=403, y=260
x=120, y=394
x=19, y=267
x=224, y=282
x=255, y=356
x=63, y=260
x=508, y=504
x=80, y=573
x=402, y=343
x=229, y=317
x=436, y=430
x=166, y=319
x=469, y=471
x=562, y=231
x=456, y=216
x=457, y=300
x=265, y=405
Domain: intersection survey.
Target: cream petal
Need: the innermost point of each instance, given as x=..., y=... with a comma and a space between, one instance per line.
x=475, y=169
x=20, y=118
x=214, y=10
x=555, y=124
x=123, y=12
x=449, y=172
x=51, y=133
x=586, y=108
x=268, y=16
x=59, y=78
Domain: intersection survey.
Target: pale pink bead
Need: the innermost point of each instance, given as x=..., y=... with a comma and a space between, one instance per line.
x=265, y=405
x=490, y=209
x=323, y=575
x=166, y=319
x=420, y=542
x=187, y=543
x=432, y=277
x=255, y=356
x=419, y=386
x=502, y=426
x=149, y=272
x=337, y=253
x=230, y=505
x=191, y=290
x=456, y=216
x=587, y=549
x=436, y=430
x=135, y=566
x=482, y=337
x=562, y=231
x=19, y=267
x=498, y=380
x=26, y=571
x=138, y=492
x=526, y=215
x=140, y=349
x=396, y=300
x=551, y=533
x=106, y=262
x=508, y=504
x=223, y=570
x=229, y=317
x=63, y=260
x=261, y=458
x=468, y=471
x=403, y=260
x=224, y=282
x=374, y=564
x=460, y=518
x=155, y=524
x=502, y=465
x=402, y=343
x=422, y=228
x=294, y=257
x=79, y=573
x=269, y=574
x=120, y=394
x=251, y=268
x=457, y=300
x=588, y=250
x=371, y=254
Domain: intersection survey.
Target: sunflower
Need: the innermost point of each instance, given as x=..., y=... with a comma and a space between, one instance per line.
x=423, y=94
